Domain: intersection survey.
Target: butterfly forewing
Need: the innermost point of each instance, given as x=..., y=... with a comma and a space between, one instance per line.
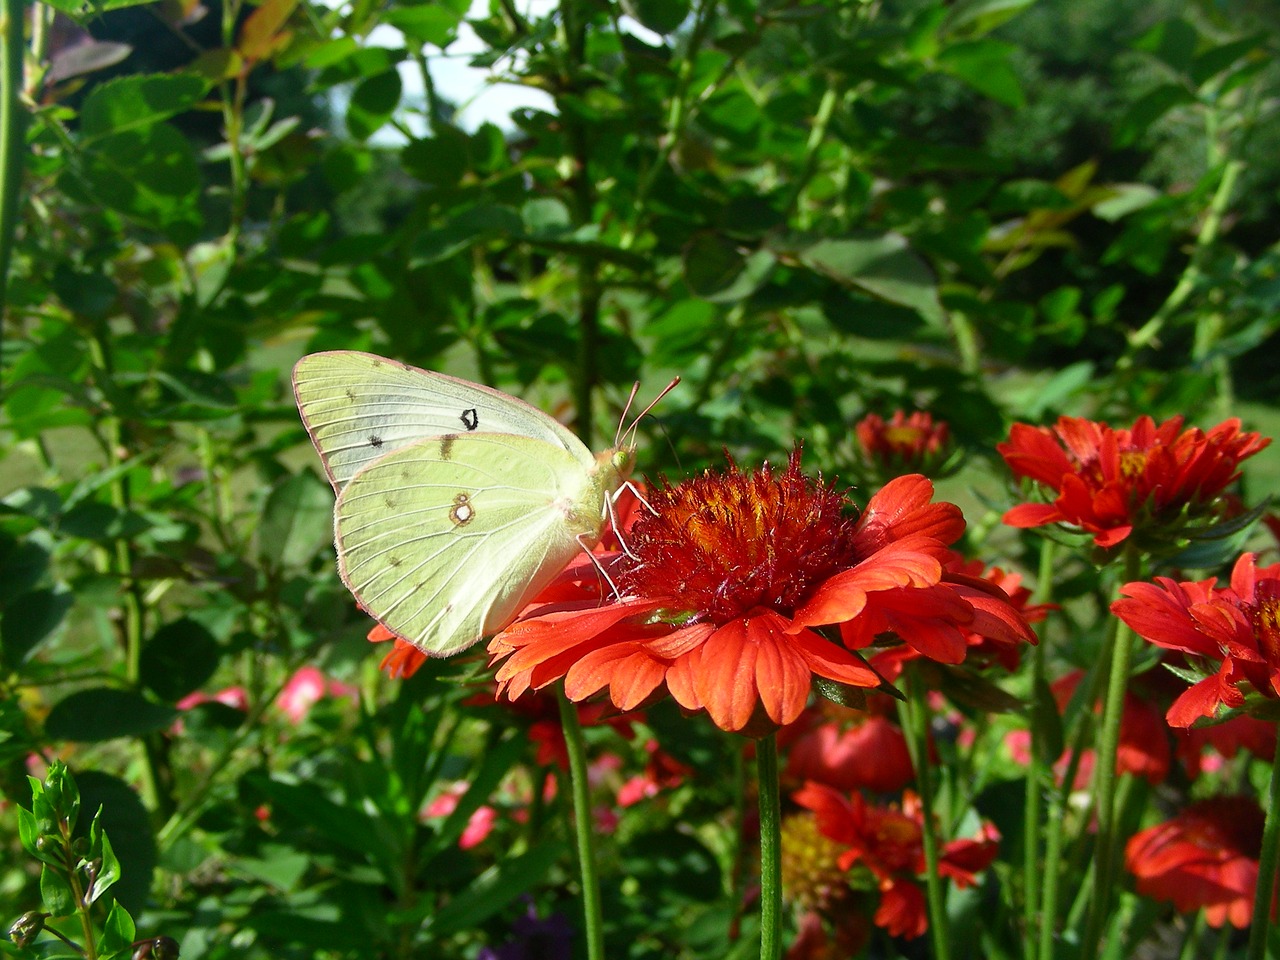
x=358, y=407
x=447, y=539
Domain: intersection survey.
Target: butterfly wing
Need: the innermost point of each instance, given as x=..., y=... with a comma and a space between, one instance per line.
x=447, y=539
x=358, y=407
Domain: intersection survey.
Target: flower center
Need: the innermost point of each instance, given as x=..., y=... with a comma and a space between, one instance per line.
x=722, y=545
x=1133, y=463
x=1266, y=619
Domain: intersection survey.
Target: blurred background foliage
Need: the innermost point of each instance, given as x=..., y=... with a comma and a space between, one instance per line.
x=994, y=210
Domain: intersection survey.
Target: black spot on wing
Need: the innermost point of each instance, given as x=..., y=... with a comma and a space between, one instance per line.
x=470, y=418
x=446, y=445
x=375, y=441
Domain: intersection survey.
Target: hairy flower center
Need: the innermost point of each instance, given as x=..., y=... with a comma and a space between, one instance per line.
x=722, y=545
x=1132, y=463
x=811, y=875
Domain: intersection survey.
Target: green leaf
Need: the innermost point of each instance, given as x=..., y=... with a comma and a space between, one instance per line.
x=1149, y=108
x=179, y=658
x=29, y=619
x=985, y=66
x=372, y=104
x=109, y=872
x=433, y=23
x=493, y=890
x=717, y=269
x=55, y=891
x=89, y=9
x=118, y=932
x=104, y=713
x=883, y=266
x=149, y=174
x=467, y=228
x=974, y=18
x=137, y=102
x=660, y=16
x=440, y=160
x=297, y=522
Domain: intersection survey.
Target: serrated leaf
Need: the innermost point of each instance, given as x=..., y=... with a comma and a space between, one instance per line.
x=137, y=102
x=104, y=713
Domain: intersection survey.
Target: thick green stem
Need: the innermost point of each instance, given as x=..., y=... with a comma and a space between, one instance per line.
x=1037, y=765
x=1105, y=771
x=770, y=848
x=1268, y=859
x=593, y=918
x=13, y=125
x=916, y=711
x=817, y=137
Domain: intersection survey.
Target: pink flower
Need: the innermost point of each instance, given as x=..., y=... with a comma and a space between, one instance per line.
x=305, y=689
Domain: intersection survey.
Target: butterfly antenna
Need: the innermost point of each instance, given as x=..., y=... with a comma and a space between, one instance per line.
x=617, y=436
x=630, y=431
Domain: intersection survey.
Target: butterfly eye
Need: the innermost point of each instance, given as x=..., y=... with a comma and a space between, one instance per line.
x=462, y=513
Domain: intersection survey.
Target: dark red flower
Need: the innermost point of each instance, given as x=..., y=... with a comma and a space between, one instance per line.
x=1237, y=627
x=1110, y=482
x=1205, y=858
x=724, y=587
x=888, y=842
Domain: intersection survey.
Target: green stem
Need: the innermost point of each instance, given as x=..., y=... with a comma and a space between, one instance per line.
x=1037, y=765
x=1268, y=859
x=817, y=136
x=770, y=848
x=916, y=715
x=582, y=826
x=1105, y=770
x=1192, y=274
x=13, y=125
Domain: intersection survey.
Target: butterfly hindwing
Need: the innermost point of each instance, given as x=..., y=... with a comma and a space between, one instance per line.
x=446, y=539
x=358, y=407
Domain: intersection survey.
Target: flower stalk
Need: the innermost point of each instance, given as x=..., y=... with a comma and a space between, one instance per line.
x=916, y=720
x=1105, y=779
x=576, y=747
x=770, y=848
x=1268, y=861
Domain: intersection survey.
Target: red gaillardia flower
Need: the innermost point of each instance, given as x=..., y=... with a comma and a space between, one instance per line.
x=848, y=749
x=888, y=841
x=1204, y=858
x=1237, y=626
x=914, y=443
x=727, y=580
x=1112, y=482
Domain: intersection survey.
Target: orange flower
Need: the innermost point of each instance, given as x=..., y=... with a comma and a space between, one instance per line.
x=1110, y=482
x=888, y=842
x=727, y=581
x=851, y=750
x=905, y=443
x=404, y=658
x=1237, y=627
x=1204, y=858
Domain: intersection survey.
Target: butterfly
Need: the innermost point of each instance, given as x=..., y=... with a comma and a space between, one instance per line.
x=456, y=503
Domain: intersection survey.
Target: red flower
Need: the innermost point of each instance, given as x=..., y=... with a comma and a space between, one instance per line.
x=727, y=579
x=1110, y=482
x=905, y=443
x=661, y=772
x=865, y=750
x=1204, y=858
x=1237, y=626
x=888, y=842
